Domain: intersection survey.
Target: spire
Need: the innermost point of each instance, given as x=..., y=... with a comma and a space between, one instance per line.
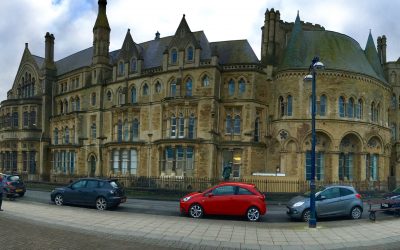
x=183, y=36
x=183, y=28
x=372, y=55
x=294, y=51
x=102, y=21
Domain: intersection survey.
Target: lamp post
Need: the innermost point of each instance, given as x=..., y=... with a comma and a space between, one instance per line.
x=315, y=65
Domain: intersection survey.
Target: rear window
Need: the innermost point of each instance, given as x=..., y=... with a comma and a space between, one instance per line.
x=13, y=178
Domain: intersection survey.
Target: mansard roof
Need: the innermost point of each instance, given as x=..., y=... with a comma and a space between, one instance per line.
x=229, y=52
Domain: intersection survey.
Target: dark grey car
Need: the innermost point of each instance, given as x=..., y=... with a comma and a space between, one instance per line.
x=334, y=200
x=101, y=193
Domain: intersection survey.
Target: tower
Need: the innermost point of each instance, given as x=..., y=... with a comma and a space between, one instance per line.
x=269, y=40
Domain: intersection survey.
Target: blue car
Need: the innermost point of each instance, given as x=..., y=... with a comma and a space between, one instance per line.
x=101, y=193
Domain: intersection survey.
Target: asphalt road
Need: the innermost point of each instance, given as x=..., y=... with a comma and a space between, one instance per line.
x=276, y=214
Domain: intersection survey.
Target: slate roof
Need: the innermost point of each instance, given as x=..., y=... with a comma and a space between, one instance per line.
x=229, y=52
x=39, y=60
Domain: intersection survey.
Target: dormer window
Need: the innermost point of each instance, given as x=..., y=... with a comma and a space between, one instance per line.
x=190, y=54
x=133, y=65
x=121, y=68
x=174, y=56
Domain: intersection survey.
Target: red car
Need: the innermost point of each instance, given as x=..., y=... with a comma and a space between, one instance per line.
x=229, y=198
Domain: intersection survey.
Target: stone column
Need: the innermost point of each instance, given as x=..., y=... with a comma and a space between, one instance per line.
x=334, y=165
x=362, y=165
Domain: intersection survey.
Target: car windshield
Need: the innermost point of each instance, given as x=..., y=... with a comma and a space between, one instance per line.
x=13, y=178
x=397, y=190
x=317, y=191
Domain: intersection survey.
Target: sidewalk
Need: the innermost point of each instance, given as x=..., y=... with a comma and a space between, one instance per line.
x=187, y=233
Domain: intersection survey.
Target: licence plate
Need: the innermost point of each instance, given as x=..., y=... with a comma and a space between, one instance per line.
x=18, y=190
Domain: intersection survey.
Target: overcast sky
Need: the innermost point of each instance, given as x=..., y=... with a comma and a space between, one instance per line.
x=71, y=22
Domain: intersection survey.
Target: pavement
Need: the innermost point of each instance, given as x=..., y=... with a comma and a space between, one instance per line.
x=182, y=232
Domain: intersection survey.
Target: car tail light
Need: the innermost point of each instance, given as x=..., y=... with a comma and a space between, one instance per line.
x=358, y=196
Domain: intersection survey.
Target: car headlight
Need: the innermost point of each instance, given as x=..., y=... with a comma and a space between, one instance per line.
x=298, y=204
x=187, y=198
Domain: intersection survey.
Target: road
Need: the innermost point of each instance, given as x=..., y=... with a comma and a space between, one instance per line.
x=276, y=214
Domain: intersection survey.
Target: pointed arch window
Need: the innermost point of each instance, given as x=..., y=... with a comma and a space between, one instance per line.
x=350, y=108
x=121, y=97
x=78, y=104
x=93, y=129
x=341, y=106
x=257, y=130
x=236, y=125
x=281, y=106
x=33, y=118
x=189, y=87
x=231, y=87
x=94, y=99
x=359, y=109
x=109, y=96
x=190, y=54
x=191, y=127
x=121, y=67
x=66, y=106
x=289, y=105
x=119, y=131
x=135, y=129
x=181, y=127
x=394, y=101
x=205, y=81
x=15, y=119
x=158, y=87
x=126, y=130
x=133, y=65
x=373, y=112
x=145, y=90
x=173, y=88
x=173, y=126
x=174, y=56
x=322, y=105
x=133, y=95
x=393, y=131
x=377, y=111
x=242, y=86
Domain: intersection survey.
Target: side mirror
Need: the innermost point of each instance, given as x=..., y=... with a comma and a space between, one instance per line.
x=210, y=195
x=321, y=197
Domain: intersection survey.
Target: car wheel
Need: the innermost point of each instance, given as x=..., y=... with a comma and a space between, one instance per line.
x=101, y=203
x=59, y=200
x=196, y=211
x=356, y=213
x=21, y=194
x=253, y=214
x=305, y=216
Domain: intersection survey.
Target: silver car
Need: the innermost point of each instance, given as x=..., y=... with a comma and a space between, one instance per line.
x=334, y=200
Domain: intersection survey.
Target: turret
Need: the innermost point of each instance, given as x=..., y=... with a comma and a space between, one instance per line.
x=101, y=36
x=269, y=37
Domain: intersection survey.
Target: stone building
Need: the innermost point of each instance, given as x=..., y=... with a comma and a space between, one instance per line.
x=183, y=106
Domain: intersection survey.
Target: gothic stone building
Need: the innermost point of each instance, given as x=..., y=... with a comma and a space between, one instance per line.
x=183, y=106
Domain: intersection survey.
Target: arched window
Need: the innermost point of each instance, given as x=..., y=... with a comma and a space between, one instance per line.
x=121, y=67
x=190, y=53
x=350, y=108
x=236, y=125
x=119, y=131
x=173, y=126
x=257, y=130
x=189, y=87
x=126, y=130
x=145, y=89
x=242, y=86
x=109, y=96
x=66, y=106
x=174, y=56
x=133, y=95
x=73, y=104
x=394, y=101
x=173, y=88
x=121, y=97
x=94, y=99
x=393, y=131
x=61, y=108
x=378, y=113
x=55, y=135
x=135, y=129
x=133, y=64
x=181, y=127
x=281, y=106
x=373, y=112
x=78, y=104
x=228, y=124
x=205, y=81
x=158, y=87
x=25, y=119
x=289, y=105
x=322, y=105
x=231, y=87
x=15, y=119
x=341, y=106
x=191, y=127
x=66, y=135
x=359, y=109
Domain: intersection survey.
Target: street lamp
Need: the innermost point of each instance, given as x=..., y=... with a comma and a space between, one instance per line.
x=315, y=65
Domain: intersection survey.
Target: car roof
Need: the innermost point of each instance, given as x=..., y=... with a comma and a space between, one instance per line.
x=242, y=184
x=339, y=185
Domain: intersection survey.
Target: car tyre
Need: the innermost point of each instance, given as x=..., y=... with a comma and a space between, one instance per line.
x=306, y=215
x=101, y=203
x=253, y=214
x=59, y=200
x=196, y=211
x=21, y=194
x=356, y=213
